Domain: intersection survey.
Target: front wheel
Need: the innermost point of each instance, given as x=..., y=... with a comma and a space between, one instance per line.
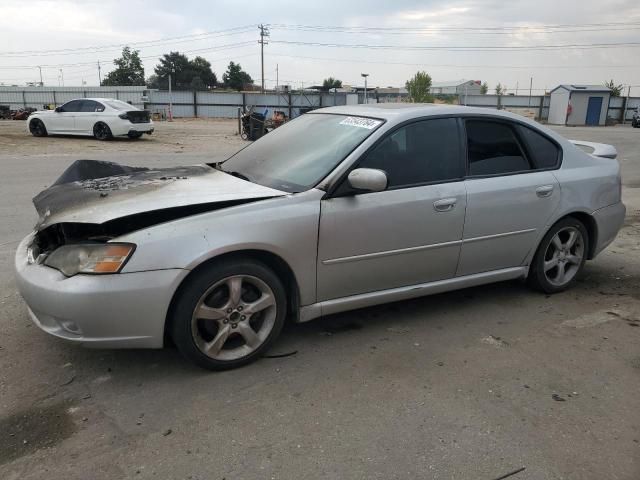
x=101, y=131
x=229, y=314
x=37, y=128
x=560, y=256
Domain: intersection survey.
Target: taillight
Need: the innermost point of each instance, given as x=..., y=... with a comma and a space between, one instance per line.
x=124, y=116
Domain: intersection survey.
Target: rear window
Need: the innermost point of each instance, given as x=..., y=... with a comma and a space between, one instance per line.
x=493, y=149
x=118, y=105
x=543, y=152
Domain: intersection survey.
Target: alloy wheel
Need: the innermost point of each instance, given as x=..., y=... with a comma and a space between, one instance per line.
x=564, y=256
x=101, y=131
x=37, y=128
x=234, y=317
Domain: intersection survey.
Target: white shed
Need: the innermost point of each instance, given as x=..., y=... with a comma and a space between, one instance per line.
x=579, y=105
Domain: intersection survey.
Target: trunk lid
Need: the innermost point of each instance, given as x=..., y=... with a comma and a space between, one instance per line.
x=139, y=116
x=601, y=150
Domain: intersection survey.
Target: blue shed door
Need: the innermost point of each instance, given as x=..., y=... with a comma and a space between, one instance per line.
x=593, y=110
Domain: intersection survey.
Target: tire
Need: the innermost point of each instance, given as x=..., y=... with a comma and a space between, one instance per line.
x=37, y=128
x=560, y=256
x=246, y=306
x=135, y=135
x=101, y=131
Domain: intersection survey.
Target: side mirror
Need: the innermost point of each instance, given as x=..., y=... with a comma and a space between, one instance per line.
x=58, y=109
x=368, y=179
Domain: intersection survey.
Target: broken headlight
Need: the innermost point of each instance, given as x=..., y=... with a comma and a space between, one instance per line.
x=90, y=258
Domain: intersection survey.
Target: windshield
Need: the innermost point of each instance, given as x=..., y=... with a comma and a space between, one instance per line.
x=297, y=155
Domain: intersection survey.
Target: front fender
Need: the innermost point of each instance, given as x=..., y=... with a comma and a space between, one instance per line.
x=285, y=226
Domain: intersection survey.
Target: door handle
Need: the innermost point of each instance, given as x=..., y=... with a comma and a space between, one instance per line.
x=445, y=204
x=544, y=191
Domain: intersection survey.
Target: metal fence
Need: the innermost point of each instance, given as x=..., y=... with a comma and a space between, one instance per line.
x=226, y=104
x=37, y=97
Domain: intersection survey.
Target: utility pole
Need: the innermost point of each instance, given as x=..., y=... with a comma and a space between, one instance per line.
x=170, y=103
x=62, y=76
x=277, y=77
x=517, y=84
x=264, y=32
x=99, y=76
x=530, y=88
x=365, y=75
x=40, y=68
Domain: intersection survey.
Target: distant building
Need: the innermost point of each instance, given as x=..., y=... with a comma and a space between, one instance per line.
x=579, y=105
x=456, y=87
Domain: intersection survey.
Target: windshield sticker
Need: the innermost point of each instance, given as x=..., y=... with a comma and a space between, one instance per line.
x=368, y=123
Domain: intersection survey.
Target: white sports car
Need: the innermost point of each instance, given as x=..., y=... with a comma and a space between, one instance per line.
x=102, y=118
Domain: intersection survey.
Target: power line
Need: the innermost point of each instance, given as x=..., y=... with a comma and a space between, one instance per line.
x=208, y=49
x=434, y=30
x=429, y=64
x=457, y=28
x=140, y=44
x=492, y=48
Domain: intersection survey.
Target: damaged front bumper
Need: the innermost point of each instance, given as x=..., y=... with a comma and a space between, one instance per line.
x=124, y=310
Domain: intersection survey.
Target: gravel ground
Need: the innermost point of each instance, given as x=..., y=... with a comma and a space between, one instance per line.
x=472, y=384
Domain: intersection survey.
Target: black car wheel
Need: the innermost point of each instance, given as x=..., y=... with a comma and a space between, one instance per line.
x=101, y=131
x=37, y=128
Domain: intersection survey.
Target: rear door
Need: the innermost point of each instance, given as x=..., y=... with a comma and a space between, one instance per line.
x=87, y=116
x=406, y=235
x=511, y=193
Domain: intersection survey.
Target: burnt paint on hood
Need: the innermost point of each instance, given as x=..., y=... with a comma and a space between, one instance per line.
x=92, y=191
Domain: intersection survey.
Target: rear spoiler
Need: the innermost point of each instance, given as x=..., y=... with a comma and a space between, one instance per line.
x=599, y=149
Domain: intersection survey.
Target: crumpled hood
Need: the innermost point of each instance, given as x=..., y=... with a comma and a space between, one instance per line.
x=92, y=191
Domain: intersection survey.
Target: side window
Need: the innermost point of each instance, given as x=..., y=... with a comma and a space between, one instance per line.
x=492, y=149
x=72, y=106
x=420, y=152
x=88, y=106
x=99, y=107
x=543, y=152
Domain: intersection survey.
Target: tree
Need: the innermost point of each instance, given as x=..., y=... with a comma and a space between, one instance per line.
x=129, y=70
x=484, y=88
x=175, y=64
x=616, y=90
x=235, y=77
x=153, y=81
x=330, y=83
x=418, y=88
x=199, y=68
x=500, y=90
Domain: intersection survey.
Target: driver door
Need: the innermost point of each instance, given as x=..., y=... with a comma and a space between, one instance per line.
x=406, y=235
x=64, y=119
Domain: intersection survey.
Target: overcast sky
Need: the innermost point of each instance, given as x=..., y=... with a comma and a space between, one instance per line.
x=34, y=26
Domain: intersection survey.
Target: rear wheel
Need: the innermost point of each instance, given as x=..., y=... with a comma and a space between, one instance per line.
x=37, y=128
x=101, y=131
x=560, y=256
x=229, y=314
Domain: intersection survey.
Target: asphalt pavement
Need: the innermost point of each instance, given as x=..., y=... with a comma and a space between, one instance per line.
x=472, y=384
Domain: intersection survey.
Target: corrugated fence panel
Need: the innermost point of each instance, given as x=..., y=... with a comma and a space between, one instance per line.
x=211, y=111
x=37, y=97
x=482, y=100
x=219, y=98
x=176, y=97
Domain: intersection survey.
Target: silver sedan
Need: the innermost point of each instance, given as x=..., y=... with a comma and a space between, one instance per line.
x=342, y=208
